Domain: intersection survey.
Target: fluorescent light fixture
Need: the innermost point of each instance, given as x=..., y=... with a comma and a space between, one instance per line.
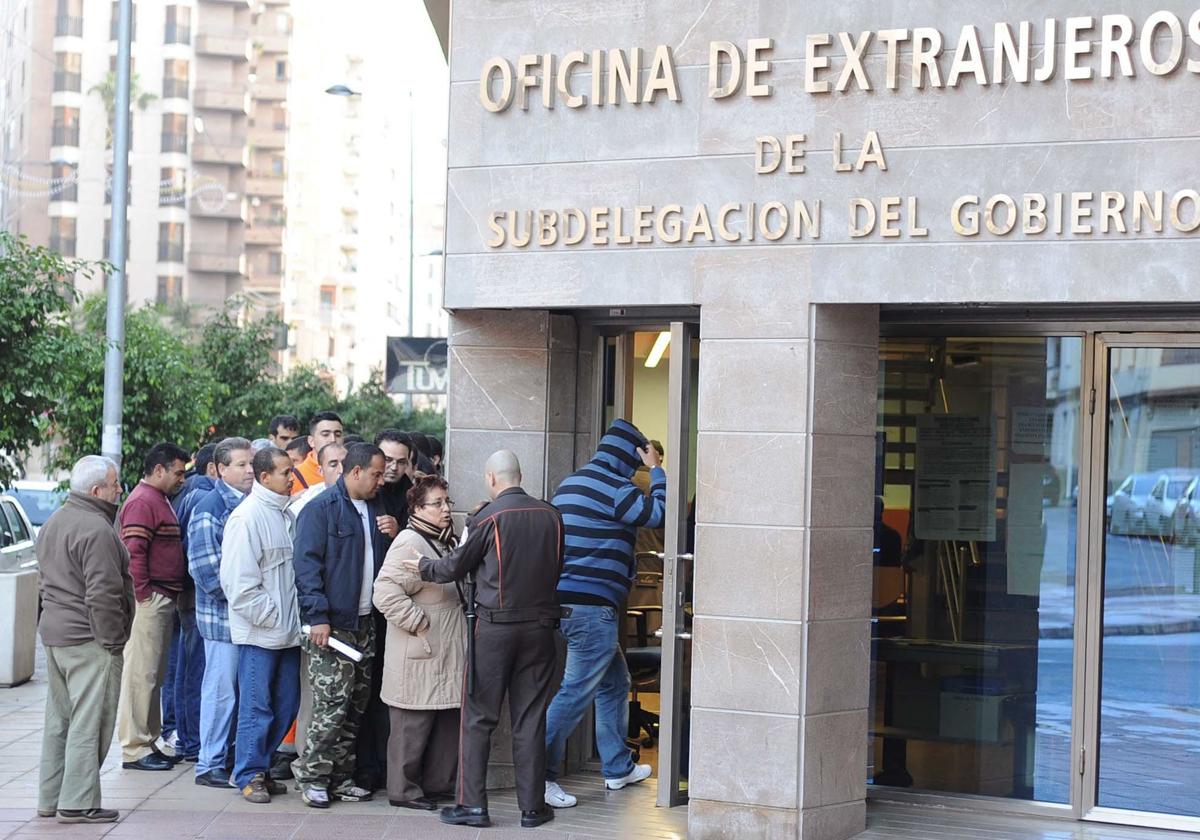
x=660, y=347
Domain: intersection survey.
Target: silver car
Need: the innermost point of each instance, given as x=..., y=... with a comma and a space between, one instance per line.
x=16, y=537
x=1144, y=503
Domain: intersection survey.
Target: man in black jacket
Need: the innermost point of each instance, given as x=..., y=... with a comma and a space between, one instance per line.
x=514, y=549
x=338, y=551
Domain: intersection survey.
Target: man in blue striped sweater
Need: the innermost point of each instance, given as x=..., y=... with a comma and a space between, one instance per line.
x=601, y=510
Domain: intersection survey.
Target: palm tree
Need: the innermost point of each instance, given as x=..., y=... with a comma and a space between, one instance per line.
x=107, y=91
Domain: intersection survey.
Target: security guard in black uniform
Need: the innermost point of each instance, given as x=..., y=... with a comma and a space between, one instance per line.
x=514, y=549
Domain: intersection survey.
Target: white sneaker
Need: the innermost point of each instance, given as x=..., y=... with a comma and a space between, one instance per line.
x=556, y=797
x=639, y=773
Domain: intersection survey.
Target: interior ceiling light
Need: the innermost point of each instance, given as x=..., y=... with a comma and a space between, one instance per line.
x=660, y=347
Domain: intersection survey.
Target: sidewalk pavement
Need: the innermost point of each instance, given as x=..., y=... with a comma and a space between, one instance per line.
x=169, y=804
x=1150, y=614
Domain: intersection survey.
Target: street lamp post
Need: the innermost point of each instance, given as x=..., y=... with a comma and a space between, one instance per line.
x=114, y=355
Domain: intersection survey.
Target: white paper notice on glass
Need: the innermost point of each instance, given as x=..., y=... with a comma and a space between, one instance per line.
x=1026, y=532
x=1030, y=430
x=956, y=477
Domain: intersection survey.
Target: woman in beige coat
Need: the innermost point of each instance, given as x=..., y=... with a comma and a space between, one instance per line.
x=425, y=656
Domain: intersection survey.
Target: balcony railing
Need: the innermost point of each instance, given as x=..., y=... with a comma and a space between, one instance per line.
x=177, y=34
x=65, y=135
x=65, y=25
x=174, y=88
x=65, y=80
x=174, y=142
x=69, y=191
x=170, y=252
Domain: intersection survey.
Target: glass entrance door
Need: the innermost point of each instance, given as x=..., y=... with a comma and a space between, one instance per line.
x=1142, y=714
x=649, y=376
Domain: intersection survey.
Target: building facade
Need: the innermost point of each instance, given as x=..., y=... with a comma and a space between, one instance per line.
x=189, y=213
x=924, y=277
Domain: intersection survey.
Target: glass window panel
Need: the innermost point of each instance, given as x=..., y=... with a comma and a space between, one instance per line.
x=1149, y=751
x=975, y=566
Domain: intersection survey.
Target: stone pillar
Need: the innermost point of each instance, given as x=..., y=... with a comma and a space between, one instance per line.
x=783, y=557
x=512, y=386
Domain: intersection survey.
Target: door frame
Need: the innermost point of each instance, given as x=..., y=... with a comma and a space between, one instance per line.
x=1097, y=349
x=1098, y=335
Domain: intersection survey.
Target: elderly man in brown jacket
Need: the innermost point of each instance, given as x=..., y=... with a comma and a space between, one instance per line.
x=87, y=612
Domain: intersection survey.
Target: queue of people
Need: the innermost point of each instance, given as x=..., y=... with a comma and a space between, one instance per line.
x=316, y=617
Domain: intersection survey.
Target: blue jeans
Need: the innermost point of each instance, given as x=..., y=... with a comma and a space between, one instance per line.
x=218, y=704
x=596, y=671
x=189, y=674
x=169, y=721
x=268, y=699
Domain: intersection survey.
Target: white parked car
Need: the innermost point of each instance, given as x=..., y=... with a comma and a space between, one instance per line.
x=39, y=499
x=16, y=537
x=1145, y=503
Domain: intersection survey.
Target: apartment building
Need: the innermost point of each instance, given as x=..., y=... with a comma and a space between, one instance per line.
x=190, y=152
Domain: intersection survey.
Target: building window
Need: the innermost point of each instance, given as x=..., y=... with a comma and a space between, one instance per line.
x=108, y=239
x=62, y=235
x=65, y=129
x=174, y=132
x=170, y=290
x=67, y=75
x=281, y=71
x=112, y=66
x=175, y=78
x=283, y=23
x=108, y=185
x=179, y=25
x=66, y=182
x=116, y=16
x=275, y=262
x=69, y=20
x=170, y=242
x=976, y=474
x=279, y=118
x=332, y=347
x=172, y=187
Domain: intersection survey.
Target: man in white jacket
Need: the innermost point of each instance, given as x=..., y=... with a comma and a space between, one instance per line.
x=259, y=582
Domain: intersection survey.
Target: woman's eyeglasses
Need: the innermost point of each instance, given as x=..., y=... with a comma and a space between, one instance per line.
x=446, y=503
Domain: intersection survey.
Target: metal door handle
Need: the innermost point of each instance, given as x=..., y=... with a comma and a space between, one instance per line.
x=682, y=634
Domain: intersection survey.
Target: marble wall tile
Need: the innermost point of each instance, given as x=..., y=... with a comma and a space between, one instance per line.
x=749, y=572
x=760, y=293
x=746, y=759
x=469, y=450
x=753, y=386
x=560, y=460
x=851, y=324
x=840, y=573
x=837, y=665
x=751, y=479
x=495, y=328
x=752, y=666
x=835, y=758
x=561, y=391
x=709, y=820
x=502, y=389
x=834, y=822
x=845, y=388
x=842, y=481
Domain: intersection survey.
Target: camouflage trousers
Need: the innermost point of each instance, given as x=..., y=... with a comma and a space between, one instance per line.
x=341, y=689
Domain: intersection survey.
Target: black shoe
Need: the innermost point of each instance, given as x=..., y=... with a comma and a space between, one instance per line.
x=440, y=797
x=462, y=815
x=532, y=819
x=281, y=770
x=213, y=778
x=150, y=761
x=174, y=759
x=275, y=788
x=421, y=803
x=91, y=815
x=191, y=759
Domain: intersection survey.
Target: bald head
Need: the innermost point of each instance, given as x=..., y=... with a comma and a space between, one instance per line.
x=501, y=472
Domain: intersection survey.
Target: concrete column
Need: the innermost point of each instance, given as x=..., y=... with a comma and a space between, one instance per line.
x=783, y=557
x=512, y=386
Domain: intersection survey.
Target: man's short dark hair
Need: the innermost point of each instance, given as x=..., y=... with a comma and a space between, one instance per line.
x=164, y=455
x=435, y=446
x=266, y=458
x=360, y=455
x=321, y=452
x=300, y=445
x=204, y=456
x=349, y=439
x=226, y=448
x=395, y=436
x=283, y=421
x=420, y=443
x=323, y=417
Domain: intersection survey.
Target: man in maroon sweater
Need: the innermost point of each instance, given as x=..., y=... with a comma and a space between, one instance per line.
x=150, y=532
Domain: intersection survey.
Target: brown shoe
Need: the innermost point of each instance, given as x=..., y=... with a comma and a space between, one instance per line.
x=256, y=790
